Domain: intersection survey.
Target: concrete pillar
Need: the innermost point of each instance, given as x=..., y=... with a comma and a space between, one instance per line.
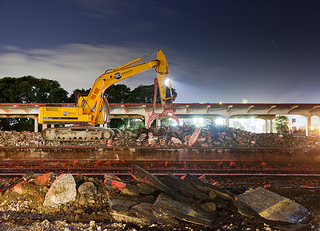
x=271, y=126
x=266, y=125
x=36, y=125
x=44, y=126
x=146, y=118
x=228, y=121
x=308, y=126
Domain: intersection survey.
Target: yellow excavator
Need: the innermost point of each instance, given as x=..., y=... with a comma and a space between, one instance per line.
x=93, y=109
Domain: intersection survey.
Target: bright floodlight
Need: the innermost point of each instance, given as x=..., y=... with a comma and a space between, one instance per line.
x=219, y=121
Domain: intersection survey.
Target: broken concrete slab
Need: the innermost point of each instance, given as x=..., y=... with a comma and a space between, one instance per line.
x=206, y=187
x=209, y=207
x=88, y=189
x=120, y=204
x=28, y=188
x=144, y=210
x=178, y=184
x=115, y=183
x=270, y=207
x=142, y=175
x=145, y=188
x=45, y=179
x=125, y=218
x=166, y=207
x=193, y=138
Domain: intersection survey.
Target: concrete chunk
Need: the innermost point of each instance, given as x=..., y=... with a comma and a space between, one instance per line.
x=165, y=207
x=271, y=206
x=63, y=190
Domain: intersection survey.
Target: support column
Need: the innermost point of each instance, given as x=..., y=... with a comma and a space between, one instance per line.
x=308, y=126
x=266, y=125
x=146, y=118
x=36, y=125
x=44, y=126
x=271, y=126
x=228, y=121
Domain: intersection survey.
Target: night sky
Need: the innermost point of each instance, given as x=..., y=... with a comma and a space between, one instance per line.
x=263, y=51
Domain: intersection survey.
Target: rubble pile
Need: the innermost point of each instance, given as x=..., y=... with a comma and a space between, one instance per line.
x=10, y=138
x=187, y=136
x=209, y=137
x=166, y=202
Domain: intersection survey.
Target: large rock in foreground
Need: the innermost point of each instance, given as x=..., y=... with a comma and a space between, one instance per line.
x=271, y=208
x=63, y=190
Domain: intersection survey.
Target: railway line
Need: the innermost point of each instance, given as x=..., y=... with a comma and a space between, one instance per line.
x=229, y=167
x=228, y=174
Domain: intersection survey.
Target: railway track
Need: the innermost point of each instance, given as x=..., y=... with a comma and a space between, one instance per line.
x=228, y=174
x=121, y=167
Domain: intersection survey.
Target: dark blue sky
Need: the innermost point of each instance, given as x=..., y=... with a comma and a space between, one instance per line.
x=222, y=50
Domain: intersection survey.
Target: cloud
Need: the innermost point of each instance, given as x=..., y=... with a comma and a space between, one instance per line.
x=72, y=65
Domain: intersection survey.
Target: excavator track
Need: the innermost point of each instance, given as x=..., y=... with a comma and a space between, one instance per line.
x=77, y=134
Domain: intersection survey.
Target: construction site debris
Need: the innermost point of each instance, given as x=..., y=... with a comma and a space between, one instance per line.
x=271, y=207
x=150, y=203
x=183, y=136
x=62, y=191
x=189, y=136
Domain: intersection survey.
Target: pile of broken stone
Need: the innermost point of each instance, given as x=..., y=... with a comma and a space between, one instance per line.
x=26, y=138
x=184, y=136
x=187, y=136
x=149, y=201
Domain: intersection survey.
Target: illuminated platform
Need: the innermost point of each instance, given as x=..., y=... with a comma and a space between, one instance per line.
x=183, y=110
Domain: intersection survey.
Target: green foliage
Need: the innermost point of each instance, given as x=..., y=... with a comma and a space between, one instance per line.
x=145, y=94
x=281, y=123
x=119, y=123
x=142, y=94
x=118, y=93
x=76, y=93
x=13, y=124
x=28, y=89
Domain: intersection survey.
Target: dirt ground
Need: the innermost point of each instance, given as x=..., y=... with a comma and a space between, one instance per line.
x=93, y=220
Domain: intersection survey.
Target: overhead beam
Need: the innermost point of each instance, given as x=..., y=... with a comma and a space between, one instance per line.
x=4, y=110
x=315, y=107
x=270, y=108
x=21, y=108
x=124, y=108
x=292, y=109
x=250, y=108
x=208, y=107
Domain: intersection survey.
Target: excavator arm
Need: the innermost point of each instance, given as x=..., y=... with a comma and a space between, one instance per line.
x=95, y=97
